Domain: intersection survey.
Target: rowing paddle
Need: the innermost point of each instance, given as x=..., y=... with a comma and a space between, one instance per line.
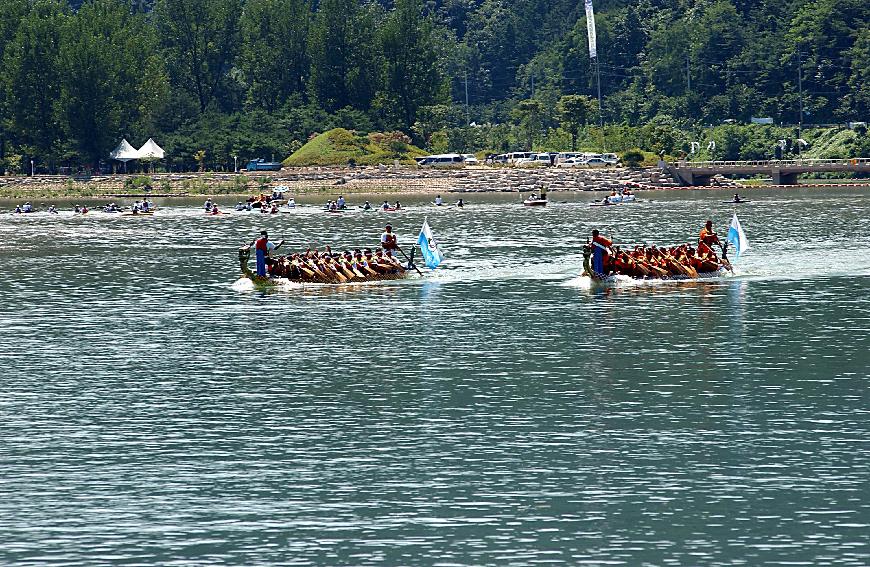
x=409, y=260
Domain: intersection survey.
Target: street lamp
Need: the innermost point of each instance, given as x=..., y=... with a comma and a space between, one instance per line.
x=236, y=164
x=32, y=170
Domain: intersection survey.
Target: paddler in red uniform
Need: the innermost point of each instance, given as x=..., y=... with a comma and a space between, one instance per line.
x=263, y=247
x=600, y=252
x=388, y=240
x=707, y=239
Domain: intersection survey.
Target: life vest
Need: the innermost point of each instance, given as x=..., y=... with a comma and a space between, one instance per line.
x=602, y=244
x=260, y=244
x=705, y=250
x=708, y=238
x=389, y=240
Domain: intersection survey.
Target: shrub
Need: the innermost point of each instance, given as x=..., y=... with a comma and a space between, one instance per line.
x=632, y=158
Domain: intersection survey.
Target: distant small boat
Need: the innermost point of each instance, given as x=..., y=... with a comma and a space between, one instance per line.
x=733, y=202
x=535, y=202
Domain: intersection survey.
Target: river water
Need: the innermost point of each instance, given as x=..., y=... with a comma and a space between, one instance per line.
x=494, y=412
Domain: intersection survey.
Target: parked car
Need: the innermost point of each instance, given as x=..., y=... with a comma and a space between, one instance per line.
x=571, y=162
x=470, y=159
x=595, y=162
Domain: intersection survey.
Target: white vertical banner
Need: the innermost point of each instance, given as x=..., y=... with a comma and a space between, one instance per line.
x=590, y=29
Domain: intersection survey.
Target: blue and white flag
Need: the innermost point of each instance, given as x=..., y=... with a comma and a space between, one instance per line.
x=431, y=254
x=737, y=238
x=590, y=30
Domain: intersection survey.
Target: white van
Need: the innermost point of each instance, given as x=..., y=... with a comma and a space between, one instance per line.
x=516, y=157
x=535, y=160
x=441, y=160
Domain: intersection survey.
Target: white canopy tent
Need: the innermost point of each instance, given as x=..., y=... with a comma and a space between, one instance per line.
x=124, y=153
x=150, y=151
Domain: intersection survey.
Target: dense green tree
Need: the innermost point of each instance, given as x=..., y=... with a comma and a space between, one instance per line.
x=415, y=56
x=528, y=114
x=857, y=102
x=344, y=56
x=200, y=40
x=13, y=12
x=274, y=52
x=108, y=88
x=30, y=77
x=574, y=112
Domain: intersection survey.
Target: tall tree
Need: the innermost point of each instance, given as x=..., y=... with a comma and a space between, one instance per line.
x=574, y=112
x=344, y=57
x=415, y=58
x=111, y=76
x=201, y=39
x=30, y=71
x=274, y=53
x=528, y=114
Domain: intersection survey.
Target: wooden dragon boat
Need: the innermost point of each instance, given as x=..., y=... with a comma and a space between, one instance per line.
x=299, y=269
x=604, y=280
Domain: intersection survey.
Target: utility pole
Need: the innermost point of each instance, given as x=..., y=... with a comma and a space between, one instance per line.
x=467, y=114
x=688, y=74
x=600, y=107
x=800, y=104
x=533, y=86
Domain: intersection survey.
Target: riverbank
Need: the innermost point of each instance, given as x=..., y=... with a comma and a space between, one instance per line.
x=378, y=179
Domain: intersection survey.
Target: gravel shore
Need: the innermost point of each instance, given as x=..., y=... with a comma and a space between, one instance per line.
x=381, y=179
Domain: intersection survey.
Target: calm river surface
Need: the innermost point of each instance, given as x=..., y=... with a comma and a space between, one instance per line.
x=495, y=412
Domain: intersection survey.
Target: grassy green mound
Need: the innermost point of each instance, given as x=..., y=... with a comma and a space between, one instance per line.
x=340, y=146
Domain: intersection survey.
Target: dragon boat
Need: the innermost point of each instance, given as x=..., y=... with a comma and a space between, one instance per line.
x=304, y=269
x=708, y=270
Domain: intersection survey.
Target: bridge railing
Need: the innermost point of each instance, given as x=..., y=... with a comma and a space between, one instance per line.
x=772, y=163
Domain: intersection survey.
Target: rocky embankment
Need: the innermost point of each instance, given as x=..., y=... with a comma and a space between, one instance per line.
x=351, y=180
x=507, y=179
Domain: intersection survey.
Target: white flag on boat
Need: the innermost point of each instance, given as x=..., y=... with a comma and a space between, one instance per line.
x=590, y=30
x=737, y=238
x=429, y=248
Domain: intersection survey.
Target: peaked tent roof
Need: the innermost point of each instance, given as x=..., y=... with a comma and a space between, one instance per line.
x=150, y=150
x=124, y=152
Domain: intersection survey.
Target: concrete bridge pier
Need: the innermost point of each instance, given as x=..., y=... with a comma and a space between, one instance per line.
x=780, y=178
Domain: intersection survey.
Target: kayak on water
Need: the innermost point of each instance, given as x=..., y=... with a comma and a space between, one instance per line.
x=738, y=202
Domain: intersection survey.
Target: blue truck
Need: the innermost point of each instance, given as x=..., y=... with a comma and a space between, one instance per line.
x=260, y=164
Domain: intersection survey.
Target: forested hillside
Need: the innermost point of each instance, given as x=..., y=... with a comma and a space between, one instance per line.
x=255, y=78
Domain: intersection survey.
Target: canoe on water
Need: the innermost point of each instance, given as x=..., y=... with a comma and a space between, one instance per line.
x=732, y=202
x=317, y=271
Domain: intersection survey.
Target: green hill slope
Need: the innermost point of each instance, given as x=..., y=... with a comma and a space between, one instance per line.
x=340, y=147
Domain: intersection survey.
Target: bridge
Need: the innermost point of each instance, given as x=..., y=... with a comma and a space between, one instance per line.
x=782, y=172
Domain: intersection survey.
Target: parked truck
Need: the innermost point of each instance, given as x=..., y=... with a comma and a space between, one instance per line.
x=260, y=164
